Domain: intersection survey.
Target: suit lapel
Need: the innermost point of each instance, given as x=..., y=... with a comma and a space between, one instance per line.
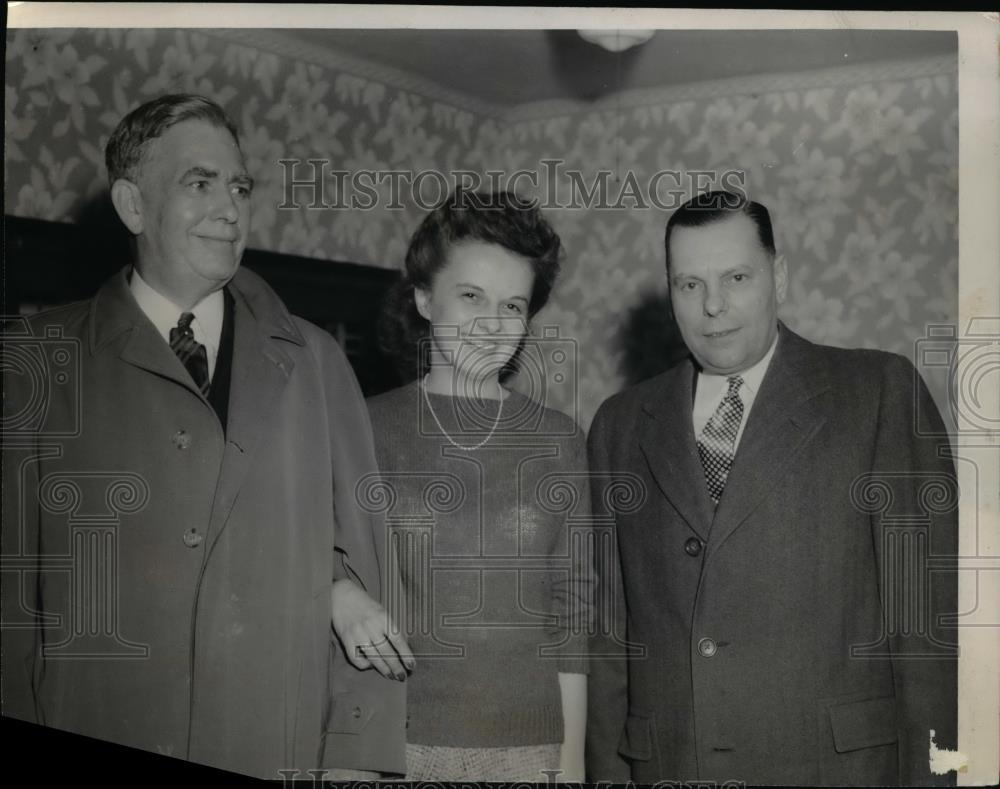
x=668, y=443
x=783, y=418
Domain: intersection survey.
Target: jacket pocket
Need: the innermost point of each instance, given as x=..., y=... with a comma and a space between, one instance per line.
x=637, y=740
x=349, y=714
x=863, y=724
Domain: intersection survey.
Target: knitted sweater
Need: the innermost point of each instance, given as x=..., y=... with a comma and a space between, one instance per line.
x=493, y=554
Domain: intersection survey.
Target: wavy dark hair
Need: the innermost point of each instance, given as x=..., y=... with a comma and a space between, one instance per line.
x=500, y=218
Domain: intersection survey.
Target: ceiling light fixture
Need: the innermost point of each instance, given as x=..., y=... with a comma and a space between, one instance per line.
x=616, y=40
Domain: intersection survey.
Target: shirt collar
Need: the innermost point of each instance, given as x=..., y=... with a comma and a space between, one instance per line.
x=164, y=313
x=754, y=377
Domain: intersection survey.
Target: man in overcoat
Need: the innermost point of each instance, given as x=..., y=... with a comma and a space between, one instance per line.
x=179, y=490
x=777, y=608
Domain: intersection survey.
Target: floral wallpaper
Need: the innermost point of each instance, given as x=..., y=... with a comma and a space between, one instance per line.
x=861, y=181
x=66, y=90
x=859, y=168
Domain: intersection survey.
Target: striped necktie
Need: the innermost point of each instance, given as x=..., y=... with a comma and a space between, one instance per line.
x=192, y=353
x=717, y=444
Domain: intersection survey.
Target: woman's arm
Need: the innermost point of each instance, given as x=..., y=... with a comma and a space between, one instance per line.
x=573, y=689
x=573, y=600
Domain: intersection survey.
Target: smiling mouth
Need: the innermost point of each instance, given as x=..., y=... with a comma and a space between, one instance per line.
x=717, y=335
x=488, y=346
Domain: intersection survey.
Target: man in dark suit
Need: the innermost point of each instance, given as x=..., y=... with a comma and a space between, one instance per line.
x=774, y=592
x=179, y=491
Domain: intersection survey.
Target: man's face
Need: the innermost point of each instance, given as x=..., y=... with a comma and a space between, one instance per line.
x=725, y=289
x=195, y=210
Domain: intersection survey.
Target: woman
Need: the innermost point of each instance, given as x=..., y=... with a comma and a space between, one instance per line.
x=495, y=602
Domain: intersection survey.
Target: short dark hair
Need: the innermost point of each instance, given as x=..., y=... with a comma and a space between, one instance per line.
x=500, y=218
x=715, y=206
x=148, y=121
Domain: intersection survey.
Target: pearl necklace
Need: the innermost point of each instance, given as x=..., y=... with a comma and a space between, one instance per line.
x=454, y=443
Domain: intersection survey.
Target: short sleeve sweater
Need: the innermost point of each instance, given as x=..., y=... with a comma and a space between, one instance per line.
x=493, y=555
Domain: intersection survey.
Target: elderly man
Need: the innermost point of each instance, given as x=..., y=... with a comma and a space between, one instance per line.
x=774, y=594
x=171, y=556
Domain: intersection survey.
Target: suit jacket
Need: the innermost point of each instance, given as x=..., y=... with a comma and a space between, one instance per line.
x=167, y=584
x=775, y=639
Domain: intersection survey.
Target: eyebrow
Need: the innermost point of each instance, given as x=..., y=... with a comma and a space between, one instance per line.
x=243, y=178
x=735, y=270
x=471, y=286
x=202, y=172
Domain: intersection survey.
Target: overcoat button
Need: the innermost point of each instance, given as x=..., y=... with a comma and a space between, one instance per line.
x=192, y=539
x=356, y=712
x=707, y=647
x=182, y=439
x=692, y=546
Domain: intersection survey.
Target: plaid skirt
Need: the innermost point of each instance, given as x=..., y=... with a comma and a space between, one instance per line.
x=522, y=763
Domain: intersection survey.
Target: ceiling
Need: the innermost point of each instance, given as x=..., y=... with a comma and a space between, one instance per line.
x=510, y=67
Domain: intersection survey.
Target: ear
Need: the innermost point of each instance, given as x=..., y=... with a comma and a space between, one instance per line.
x=780, y=278
x=422, y=298
x=127, y=200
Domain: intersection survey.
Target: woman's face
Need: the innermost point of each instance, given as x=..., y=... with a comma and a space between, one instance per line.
x=477, y=306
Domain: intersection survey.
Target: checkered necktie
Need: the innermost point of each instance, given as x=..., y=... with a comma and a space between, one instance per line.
x=717, y=444
x=192, y=353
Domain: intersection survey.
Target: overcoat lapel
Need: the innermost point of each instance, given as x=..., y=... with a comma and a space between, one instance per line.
x=783, y=419
x=668, y=443
x=114, y=311
x=260, y=371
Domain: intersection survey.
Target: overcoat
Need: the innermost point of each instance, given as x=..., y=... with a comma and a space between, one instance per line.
x=793, y=635
x=167, y=582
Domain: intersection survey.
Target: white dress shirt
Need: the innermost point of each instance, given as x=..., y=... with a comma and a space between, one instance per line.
x=164, y=314
x=711, y=388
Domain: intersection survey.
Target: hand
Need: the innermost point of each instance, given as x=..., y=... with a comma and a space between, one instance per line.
x=369, y=636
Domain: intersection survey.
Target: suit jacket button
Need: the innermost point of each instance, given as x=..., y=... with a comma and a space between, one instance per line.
x=356, y=712
x=692, y=546
x=707, y=647
x=192, y=539
x=182, y=439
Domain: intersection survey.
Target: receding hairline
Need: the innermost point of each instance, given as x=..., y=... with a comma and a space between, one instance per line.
x=717, y=220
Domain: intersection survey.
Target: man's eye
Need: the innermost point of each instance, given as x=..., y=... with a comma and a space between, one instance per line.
x=241, y=191
x=514, y=308
x=199, y=185
x=739, y=277
x=470, y=295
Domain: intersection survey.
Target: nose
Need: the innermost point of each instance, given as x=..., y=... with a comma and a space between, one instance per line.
x=715, y=301
x=227, y=208
x=488, y=324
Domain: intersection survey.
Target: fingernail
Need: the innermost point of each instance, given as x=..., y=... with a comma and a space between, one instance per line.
x=400, y=677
